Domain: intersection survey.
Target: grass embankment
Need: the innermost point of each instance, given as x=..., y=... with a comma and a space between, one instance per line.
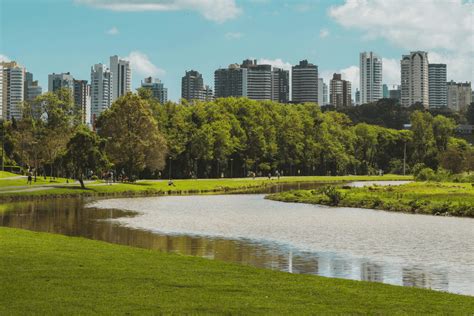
x=51, y=274
x=455, y=199
x=6, y=174
x=141, y=188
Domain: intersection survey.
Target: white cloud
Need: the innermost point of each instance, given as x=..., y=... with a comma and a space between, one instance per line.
x=214, y=10
x=390, y=71
x=141, y=64
x=279, y=63
x=4, y=58
x=233, y=35
x=443, y=28
x=323, y=33
x=113, y=31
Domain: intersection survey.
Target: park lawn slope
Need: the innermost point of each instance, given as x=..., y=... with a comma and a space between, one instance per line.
x=6, y=174
x=150, y=187
x=434, y=198
x=52, y=274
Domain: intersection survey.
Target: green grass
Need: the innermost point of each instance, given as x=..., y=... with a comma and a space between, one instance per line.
x=6, y=174
x=162, y=187
x=52, y=274
x=456, y=199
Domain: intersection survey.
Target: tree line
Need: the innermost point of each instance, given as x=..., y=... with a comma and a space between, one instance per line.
x=231, y=137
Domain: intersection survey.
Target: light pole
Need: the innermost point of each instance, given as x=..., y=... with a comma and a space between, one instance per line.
x=404, y=157
x=170, y=168
x=231, y=167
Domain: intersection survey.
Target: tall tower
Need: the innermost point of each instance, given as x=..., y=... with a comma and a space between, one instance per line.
x=157, y=88
x=101, y=90
x=121, y=77
x=231, y=81
x=438, y=90
x=370, y=77
x=414, y=79
x=341, y=93
x=305, y=82
x=192, y=86
x=280, y=85
x=13, y=89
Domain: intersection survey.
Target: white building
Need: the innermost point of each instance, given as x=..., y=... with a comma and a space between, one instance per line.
x=414, y=79
x=121, y=77
x=370, y=77
x=157, y=88
x=304, y=82
x=13, y=90
x=321, y=92
x=101, y=90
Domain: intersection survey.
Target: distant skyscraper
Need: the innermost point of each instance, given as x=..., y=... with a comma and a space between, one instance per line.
x=385, y=91
x=341, y=94
x=100, y=90
x=304, y=82
x=325, y=94
x=192, y=86
x=438, y=90
x=459, y=95
x=82, y=99
x=157, y=88
x=121, y=77
x=259, y=80
x=208, y=94
x=395, y=92
x=357, y=97
x=370, y=77
x=280, y=85
x=13, y=89
x=58, y=81
x=320, y=91
x=414, y=79
x=231, y=82
x=32, y=88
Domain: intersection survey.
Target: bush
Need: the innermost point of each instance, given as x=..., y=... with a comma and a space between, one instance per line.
x=417, y=168
x=426, y=174
x=334, y=195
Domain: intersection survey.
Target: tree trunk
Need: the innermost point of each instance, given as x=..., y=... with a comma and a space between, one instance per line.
x=81, y=181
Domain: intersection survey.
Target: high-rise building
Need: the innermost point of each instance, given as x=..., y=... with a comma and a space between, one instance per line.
x=82, y=99
x=395, y=92
x=157, y=88
x=438, y=91
x=58, y=81
x=304, y=82
x=231, y=82
x=259, y=80
x=1, y=92
x=385, y=91
x=208, y=94
x=32, y=88
x=100, y=90
x=341, y=94
x=325, y=94
x=370, y=77
x=121, y=77
x=192, y=86
x=320, y=91
x=459, y=95
x=13, y=89
x=280, y=85
x=357, y=97
x=414, y=79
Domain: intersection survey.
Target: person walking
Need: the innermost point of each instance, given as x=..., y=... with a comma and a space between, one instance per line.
x=30, y=177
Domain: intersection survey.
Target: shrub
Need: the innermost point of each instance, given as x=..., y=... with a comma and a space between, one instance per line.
x=334, y=195
x=426, y=174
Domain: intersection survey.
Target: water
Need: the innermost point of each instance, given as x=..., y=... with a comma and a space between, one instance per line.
x=404, y=249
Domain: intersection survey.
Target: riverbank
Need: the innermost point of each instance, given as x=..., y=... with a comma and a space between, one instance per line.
x=15, y=190
x=452, y=199
x=47, y=273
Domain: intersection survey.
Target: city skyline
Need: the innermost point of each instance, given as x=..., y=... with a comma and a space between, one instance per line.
x=220, y=36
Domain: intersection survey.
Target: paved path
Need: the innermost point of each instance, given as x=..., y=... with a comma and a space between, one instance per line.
x=39, y=187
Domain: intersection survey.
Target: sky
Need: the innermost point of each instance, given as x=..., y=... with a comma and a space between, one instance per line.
x=164, y=38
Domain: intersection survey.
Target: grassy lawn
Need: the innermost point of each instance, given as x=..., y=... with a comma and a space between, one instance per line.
x=456, y=199
x=6, y=174
x=52, y=274
x=162, y=187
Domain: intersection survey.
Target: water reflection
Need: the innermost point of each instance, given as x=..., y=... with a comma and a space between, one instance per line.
x=71, y=217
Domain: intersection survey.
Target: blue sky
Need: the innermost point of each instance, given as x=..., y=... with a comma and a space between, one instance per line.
x=164, y=38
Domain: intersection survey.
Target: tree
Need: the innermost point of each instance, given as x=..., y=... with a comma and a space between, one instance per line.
x=423, y=143
x=84, y=151
x=470, y=113
x=133, y=140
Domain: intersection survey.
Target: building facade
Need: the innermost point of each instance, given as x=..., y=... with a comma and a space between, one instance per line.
x=58, y=81
x=192, y=86
x=100, y=90
x=304, y=82
x=438, y=90
x=13, y=89
x=121, y=77
x=370, y=77
x=231, y=82
x=395, y=93
x=414, y=79
x=259, y=80
x=459, y=95
x=341, y=93
x=32, y=87
x=157, y=88
x=82, y=100
x=280, y=85
x=385, y=91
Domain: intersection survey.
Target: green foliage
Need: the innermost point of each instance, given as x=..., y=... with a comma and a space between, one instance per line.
x=425, y=174
x=333, y=194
